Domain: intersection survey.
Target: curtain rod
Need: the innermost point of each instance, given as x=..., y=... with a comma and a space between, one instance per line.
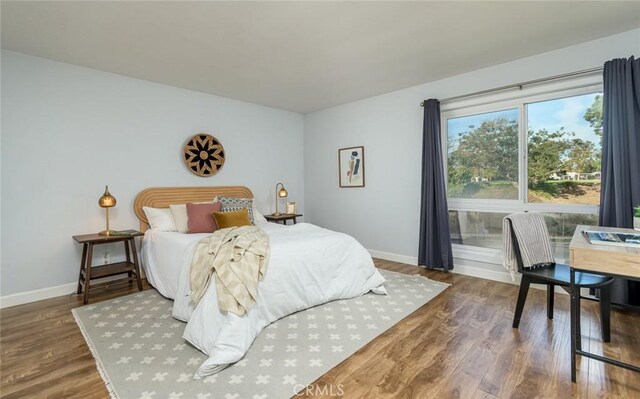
x=520, y=85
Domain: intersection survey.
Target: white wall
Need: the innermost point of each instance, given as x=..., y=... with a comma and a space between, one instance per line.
x=384, y=215
x=67, y=131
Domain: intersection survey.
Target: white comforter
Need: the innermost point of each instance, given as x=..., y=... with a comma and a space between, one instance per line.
x=308, y=266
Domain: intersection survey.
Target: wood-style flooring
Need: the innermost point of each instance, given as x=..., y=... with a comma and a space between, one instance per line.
x=459, y=345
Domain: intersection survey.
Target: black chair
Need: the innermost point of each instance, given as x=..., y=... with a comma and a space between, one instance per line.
x=558, y=274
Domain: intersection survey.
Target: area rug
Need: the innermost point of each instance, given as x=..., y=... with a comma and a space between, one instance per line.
x=140, y=352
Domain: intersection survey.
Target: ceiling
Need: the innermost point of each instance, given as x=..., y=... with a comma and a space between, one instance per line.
x=302, y=56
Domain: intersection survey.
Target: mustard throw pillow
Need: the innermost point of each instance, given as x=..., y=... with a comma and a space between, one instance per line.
x=232, y=219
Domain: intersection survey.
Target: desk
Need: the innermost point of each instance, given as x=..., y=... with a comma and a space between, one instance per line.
x=607, y=260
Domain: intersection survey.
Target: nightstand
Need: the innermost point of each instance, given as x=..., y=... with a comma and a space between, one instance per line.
x=87, y=273
x=283, y=217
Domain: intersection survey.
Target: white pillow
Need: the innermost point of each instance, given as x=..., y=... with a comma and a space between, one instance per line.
x=180, y=217
x=258, y=218
x=160, y=219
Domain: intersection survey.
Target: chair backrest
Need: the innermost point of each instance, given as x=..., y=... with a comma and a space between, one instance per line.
x=516, y=246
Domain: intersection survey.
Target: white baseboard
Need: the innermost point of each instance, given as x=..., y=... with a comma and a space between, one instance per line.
x=21, y=298
x=37, y=295
x=462, y=266
x=481, y=272
x=408, y=260
x=467, y=270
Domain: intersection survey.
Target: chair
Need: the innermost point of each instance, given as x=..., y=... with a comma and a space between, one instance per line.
x=558, y=274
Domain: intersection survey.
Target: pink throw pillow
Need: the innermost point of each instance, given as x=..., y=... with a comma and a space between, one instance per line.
x=200, y=218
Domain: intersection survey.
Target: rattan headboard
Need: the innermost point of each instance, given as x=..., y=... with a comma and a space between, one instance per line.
x=162, y=197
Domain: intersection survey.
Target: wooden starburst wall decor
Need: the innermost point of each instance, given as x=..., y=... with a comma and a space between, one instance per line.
x=203, y=155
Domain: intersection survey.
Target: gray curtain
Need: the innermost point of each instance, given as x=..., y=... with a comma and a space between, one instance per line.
x=621, y=157
x=434, y=250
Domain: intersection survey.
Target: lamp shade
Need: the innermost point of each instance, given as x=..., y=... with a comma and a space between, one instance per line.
x=107, y=200
x=282, y=192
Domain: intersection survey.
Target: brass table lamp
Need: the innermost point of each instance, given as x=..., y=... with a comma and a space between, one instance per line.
x=107, y=201
x=282, y=193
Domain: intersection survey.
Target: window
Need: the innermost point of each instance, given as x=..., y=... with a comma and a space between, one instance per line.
x=537, y=152
x=483, y=155
x=564, y=150
x=477, y=229
x=484, y=229
x=561, y=227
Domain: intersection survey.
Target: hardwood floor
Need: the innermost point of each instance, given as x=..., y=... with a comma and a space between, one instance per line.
x=460, y=345
x=43, y=352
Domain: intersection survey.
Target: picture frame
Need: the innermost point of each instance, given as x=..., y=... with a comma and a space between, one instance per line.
x=291, y=208
x=351, y=167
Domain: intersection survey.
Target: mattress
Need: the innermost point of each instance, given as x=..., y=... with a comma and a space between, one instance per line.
x=164, y=254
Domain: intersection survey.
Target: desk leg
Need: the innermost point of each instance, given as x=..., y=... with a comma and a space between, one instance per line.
x=82, y=266
x=605, y=312
x=574, y=322
x=295, y=221
x=136, y=265
x=87, y=275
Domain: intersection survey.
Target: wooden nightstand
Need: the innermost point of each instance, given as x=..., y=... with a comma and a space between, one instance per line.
x=283, y=217
x=87, y=273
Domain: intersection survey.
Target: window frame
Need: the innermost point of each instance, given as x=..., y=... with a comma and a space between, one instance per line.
x=519, y=99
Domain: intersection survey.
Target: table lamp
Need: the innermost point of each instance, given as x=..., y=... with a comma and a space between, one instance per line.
x=107, y=201
x=281, y=193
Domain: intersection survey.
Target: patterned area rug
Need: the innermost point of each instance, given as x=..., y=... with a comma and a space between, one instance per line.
x=140, y=352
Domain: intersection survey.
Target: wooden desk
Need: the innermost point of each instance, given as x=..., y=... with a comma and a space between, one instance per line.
x=607, y=260
x=614, y=260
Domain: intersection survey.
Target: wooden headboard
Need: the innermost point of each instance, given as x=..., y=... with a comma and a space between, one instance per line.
x=162, y=197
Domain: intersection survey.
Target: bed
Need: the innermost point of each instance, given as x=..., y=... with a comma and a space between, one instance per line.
x=308, y=266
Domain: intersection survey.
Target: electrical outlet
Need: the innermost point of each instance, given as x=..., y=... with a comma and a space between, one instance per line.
x=107, y=257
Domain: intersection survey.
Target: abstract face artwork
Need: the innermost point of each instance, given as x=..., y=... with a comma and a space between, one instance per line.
x=351, y=166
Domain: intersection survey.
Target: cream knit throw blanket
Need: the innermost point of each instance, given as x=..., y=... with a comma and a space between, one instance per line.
x=532, y=234
x=238, y=258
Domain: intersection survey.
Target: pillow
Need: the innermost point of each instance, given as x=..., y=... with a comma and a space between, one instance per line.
x=232, y=218
x=230, y=204
x=199, y=218
x=258, y=219
x=180, y=218
x=160, y=218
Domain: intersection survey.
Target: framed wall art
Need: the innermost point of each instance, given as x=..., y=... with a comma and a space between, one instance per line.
x=351, y=167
